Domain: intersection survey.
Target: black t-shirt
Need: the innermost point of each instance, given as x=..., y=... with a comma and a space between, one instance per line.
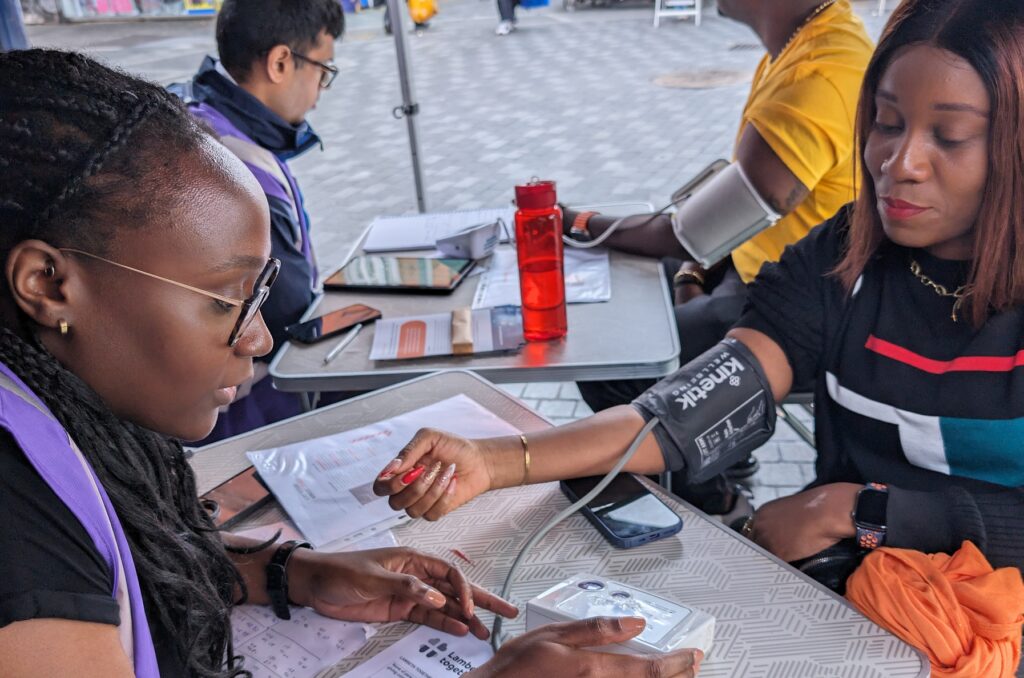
x=49, y=566
x=903, y=394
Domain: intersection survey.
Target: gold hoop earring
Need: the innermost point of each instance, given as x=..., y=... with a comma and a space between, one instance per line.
x=64, y=327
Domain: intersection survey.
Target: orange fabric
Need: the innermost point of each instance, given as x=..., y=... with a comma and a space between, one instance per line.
x=964, y=615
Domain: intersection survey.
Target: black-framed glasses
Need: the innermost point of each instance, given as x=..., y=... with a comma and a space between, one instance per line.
x=250, y=307
x=328, y=70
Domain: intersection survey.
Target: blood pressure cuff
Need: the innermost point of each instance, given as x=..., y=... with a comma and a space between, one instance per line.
x=713, y=412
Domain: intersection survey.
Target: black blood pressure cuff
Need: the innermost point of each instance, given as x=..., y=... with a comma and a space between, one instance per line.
x=713, y=412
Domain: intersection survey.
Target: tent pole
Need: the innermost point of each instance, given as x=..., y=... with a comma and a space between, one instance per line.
x=409, y=108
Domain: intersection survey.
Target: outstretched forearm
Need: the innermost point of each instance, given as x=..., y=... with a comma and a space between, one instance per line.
x=643, y=234
x=587, y=447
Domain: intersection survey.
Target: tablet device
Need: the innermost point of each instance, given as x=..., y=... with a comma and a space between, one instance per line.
x=401, y=274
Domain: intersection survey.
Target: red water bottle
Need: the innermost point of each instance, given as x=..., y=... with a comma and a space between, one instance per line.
x=539, y=247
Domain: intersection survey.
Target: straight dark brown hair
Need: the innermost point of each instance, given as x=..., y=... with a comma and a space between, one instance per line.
x=989, y=35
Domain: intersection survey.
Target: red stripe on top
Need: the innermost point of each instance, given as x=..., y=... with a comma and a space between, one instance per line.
x=979, y=363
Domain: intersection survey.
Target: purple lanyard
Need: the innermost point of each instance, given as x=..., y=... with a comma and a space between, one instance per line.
x=45, y=443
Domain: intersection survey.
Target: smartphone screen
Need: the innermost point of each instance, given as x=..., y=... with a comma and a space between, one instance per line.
x=315, y=329
x=402, y=273
x=235, y=498
x=626, y=508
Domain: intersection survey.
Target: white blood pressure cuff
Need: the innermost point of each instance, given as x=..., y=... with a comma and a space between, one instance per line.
x=713, y=412
x=719, y=212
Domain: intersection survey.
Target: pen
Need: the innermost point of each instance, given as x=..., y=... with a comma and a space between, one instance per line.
x=345, y=341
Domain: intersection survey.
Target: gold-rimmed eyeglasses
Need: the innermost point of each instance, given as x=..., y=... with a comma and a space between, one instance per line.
x=250, y=307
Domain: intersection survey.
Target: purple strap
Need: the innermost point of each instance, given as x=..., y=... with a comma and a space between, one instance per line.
x=45, y=443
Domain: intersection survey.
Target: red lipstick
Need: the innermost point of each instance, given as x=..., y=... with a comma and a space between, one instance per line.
x=898, y=210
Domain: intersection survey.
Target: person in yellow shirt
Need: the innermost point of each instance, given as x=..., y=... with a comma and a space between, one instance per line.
x=795, y=144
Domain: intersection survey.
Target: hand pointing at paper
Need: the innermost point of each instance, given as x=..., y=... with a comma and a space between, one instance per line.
x=392, y=584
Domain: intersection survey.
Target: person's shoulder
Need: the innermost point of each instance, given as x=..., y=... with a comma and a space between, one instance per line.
x=842, y=33
x=823, y=247
x=58, y=572
x=837, y=50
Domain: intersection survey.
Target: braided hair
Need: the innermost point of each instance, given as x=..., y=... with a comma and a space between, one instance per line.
x=68, y=177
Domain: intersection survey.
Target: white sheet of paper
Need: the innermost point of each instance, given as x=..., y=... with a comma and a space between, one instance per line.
x=324, y=484
x=300, y=647
x=426, y=653
x=288, y=530
x=422, y=231
x=588, y=278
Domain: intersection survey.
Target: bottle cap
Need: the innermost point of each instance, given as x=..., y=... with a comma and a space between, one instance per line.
x=536, y=195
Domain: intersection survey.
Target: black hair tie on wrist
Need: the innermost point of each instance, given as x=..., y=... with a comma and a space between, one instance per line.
x=277, y=576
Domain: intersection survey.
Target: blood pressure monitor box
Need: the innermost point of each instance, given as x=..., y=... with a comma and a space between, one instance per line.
x=670, y=626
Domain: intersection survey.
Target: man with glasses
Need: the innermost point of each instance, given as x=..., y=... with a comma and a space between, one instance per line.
x=276, y=56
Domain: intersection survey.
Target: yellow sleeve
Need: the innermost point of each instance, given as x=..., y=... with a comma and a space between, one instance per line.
x=807, y=124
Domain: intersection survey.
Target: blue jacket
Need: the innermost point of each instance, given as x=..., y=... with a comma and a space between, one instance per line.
x=263, y=141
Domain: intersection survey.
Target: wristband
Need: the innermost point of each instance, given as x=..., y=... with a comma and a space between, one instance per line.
x=277, y=576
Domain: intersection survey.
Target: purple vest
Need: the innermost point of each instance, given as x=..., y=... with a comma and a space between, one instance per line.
x=48, y=448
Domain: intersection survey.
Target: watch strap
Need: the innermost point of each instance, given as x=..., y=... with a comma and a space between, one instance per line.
x=579, y=229
x=867, y=536
x=277, y=576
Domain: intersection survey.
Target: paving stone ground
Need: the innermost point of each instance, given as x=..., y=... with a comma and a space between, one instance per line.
x=569, y=96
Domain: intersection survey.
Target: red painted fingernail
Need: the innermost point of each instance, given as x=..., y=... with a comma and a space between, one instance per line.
x=388, y=472
x=412, y=475
x=462, y=555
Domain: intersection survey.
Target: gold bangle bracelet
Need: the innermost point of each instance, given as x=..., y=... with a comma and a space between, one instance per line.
x=526, y=459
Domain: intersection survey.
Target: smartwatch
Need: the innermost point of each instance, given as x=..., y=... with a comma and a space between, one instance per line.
x=277, y=576
x=869, y=515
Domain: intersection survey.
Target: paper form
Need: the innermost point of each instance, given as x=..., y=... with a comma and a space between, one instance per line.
x=422, y=231
x=426, y=653
x=588, y=278
x=325, y=484
x=299, y=647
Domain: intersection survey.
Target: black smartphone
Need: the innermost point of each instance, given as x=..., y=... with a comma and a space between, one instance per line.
x=625, y=512
x=236, y=498
x=401, y=274
x=315, y=329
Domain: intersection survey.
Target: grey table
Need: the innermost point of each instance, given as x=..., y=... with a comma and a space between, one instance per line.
x=772, y=622
x=632, y=336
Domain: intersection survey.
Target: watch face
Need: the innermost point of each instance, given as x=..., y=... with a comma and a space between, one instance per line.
x=871, y=508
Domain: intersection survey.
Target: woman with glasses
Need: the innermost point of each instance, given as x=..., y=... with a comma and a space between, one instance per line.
x=136, y=256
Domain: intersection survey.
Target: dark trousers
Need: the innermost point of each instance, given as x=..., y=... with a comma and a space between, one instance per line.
x=507, y=9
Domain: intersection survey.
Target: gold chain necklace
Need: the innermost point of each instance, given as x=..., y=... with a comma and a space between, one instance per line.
x=810, y=17
x=940, y=290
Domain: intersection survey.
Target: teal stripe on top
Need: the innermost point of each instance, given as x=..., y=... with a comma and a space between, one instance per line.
x=985, y=449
